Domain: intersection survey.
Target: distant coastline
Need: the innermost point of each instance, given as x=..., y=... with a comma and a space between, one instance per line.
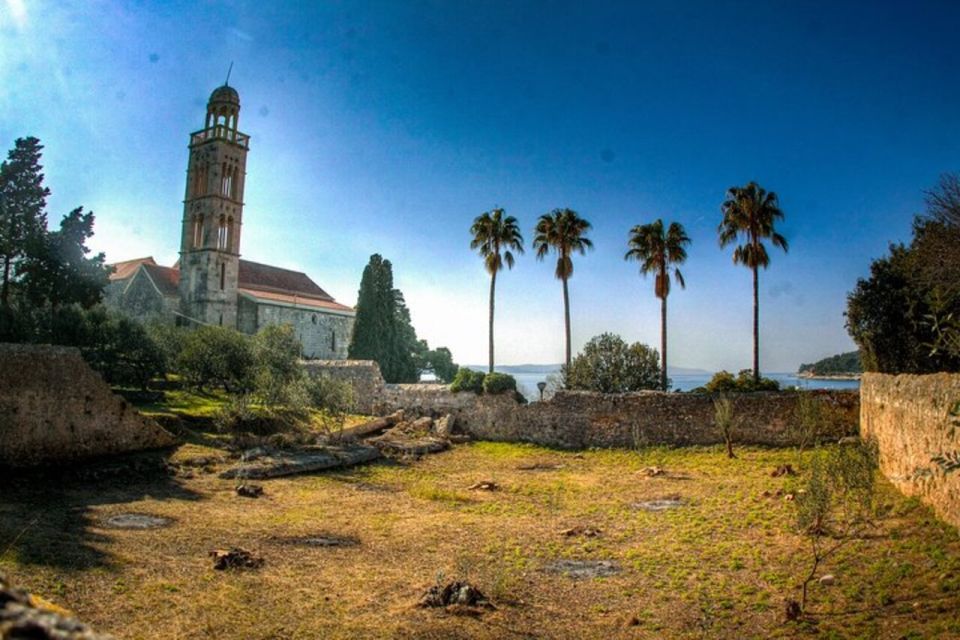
x=809, y=375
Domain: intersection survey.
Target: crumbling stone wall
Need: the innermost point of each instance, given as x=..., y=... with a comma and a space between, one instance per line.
x=363, y=375
x=580, y=419
x=54, y=408
x=915, y=419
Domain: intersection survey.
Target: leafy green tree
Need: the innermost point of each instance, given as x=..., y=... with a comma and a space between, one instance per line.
x=658, y=252
x=562, y=231
x=217, y=357
x=889, y=316
x=494, y=236
x=276, y=368
x=750, y=214
x=609, y=365
x=439, y=361
x=58, y=270
x=119, y=348
x=23, y=216
x=382, y=330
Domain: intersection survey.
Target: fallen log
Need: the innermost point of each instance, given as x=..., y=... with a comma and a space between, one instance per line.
x=286, y=463
x=371, y=428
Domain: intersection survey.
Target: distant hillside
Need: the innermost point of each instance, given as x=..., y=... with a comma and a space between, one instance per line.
x=841, y=364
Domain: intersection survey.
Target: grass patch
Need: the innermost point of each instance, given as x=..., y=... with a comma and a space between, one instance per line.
x=719, y=566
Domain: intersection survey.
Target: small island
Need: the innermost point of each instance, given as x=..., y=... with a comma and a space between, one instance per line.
x=843, y=366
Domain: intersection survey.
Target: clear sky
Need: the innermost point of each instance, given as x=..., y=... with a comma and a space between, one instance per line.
x=387, y=126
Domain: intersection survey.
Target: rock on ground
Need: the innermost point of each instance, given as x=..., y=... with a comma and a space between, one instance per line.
x=21, y=618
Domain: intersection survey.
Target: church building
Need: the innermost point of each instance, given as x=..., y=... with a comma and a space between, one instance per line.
x=210, y=284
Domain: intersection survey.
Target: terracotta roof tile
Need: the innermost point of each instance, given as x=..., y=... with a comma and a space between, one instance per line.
x=167, y=279
x=293, y=299
x=262, y=277
x=123, y=270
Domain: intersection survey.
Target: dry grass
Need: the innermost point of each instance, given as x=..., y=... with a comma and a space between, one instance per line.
x=718, y=567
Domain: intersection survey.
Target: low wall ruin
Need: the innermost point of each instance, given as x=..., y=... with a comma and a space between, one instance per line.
x=363, y=375
x=915, y=419
x=55, y=409
x=581, y=419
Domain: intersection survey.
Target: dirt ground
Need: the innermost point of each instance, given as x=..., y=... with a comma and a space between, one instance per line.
x=696, y=552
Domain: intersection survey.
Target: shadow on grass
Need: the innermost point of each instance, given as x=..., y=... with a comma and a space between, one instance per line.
x=47, y=518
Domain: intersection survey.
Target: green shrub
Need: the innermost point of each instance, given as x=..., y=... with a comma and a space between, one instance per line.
x=609, y=365
x=494, y=383
x=217, y=357
x=724, y=382
x=171, y=340
x=276, y=367
x=467, y=380
x=330, y=395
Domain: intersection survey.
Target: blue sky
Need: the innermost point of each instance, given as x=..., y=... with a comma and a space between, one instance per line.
x=387, y=126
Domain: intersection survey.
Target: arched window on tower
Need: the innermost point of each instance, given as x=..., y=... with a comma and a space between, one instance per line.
x=226, y=181
x=231, y=230
x=197, y=231
x=223, y=275
x=222, y=234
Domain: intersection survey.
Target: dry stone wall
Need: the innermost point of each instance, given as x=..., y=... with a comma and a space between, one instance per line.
x=578, y=419
x=915, y=419
x=363, y=375
x=54, y=408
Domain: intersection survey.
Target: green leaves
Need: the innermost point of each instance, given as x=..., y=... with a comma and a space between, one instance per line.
x=609, y=365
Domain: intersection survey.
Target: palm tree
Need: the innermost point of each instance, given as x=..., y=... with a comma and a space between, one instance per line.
x=657, y=251
x=750, y=213
x=492, y=232
x=562, y=230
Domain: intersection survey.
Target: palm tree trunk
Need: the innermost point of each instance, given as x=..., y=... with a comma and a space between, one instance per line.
x=663, y=343
x=493, y=288
x=566, y=318
x=756, y=328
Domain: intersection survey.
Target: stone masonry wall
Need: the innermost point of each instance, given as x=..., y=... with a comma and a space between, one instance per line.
x=363, y=375
x=54, y=408
x=578, y=419
x=913, y=419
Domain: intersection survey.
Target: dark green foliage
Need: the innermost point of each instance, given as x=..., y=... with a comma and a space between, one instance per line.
x=382, y=330
x=439, y=361
x=276, y=369
x=23, y=218
x=217, y=357
x=609, y=365
x=119, y=348
x=724, y=382
x=57, y=270
x=838, y=364
x=905, y=317
x=170, y=339
x=41, y=271
x=467, y=380
x=494, y=383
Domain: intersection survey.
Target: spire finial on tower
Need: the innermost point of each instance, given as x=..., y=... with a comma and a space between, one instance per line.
x=226, y=82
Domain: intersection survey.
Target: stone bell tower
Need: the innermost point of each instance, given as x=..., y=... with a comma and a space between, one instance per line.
x=213, y=214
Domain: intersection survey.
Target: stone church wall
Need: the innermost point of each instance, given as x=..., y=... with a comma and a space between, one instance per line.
x=325, y=336
x=139, y=299
x=914, y=419
x=55, y=409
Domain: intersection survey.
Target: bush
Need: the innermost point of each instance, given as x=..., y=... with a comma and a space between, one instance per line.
x=494, y=383
x=276, y=368
x=724, y=382
x=607, y=364
x=330, y=395
x=467, y=380
x=171, y=340
x=217, y=357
